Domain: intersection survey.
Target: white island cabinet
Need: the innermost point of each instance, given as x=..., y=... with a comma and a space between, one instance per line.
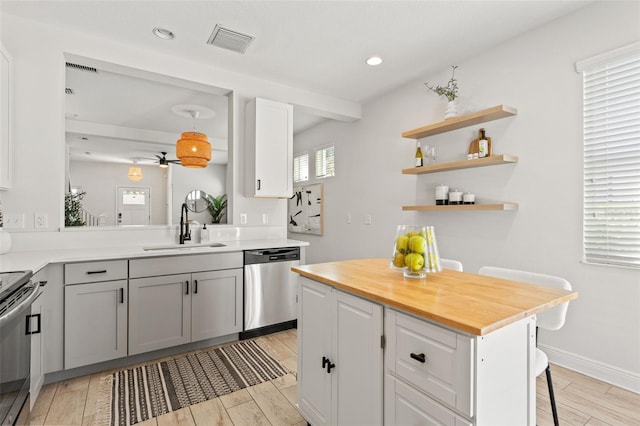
x=95, y=314
x=269, y=149
x=459, y=347
x=182, y=299
x=340, y=357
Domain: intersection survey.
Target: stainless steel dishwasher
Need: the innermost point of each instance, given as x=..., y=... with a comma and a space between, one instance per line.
x=269, y=290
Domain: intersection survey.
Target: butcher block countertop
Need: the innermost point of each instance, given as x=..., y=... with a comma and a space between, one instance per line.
x=472, y=303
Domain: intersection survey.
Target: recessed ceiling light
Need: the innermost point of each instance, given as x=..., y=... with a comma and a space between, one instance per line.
x=374, y=60
x=163, y=33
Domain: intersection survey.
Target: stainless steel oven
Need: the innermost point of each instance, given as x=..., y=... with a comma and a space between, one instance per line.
x=17, y=293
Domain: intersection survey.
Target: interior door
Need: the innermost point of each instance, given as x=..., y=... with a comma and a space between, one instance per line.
x=133, y=206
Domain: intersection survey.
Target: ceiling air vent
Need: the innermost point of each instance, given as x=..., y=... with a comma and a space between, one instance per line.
x=229, y=39
x=81, y=67
x=68, y=91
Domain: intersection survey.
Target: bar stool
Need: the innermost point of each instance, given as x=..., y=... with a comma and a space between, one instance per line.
x=451, y=264
x=552, y=319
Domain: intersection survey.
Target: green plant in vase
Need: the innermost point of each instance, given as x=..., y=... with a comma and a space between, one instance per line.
x=217, y=207
x=450, y=91
x=73, y=209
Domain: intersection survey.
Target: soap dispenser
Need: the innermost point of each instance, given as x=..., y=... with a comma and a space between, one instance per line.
x=204, y=234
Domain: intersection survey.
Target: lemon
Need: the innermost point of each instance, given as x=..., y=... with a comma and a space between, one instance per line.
x=398, y=260
x=414, y=261
x=417, y=244
x=401, y=243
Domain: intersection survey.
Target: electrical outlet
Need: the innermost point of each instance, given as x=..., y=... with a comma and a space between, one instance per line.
x=243, y=218
x=41, y=220
x=348, y=218
x=367, y=219
x=14, y=220
x=265, y=218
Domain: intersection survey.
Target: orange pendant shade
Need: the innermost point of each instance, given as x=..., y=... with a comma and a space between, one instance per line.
x=135, y=174
x=193, y=149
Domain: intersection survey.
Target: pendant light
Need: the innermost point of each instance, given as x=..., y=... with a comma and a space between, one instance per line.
x=135, y=173
x=193, y=148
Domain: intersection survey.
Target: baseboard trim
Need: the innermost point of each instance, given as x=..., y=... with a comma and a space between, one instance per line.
x=598, y=370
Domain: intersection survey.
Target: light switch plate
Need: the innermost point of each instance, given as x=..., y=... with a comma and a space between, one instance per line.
x=243, y=218
x=13, y=220
x=41, y=220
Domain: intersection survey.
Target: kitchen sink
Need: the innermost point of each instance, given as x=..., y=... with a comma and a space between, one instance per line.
x=184, y=246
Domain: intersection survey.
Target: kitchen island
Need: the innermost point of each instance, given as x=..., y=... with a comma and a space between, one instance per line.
x=454, y=348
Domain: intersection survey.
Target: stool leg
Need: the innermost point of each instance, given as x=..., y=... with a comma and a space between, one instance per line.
x=552, y=397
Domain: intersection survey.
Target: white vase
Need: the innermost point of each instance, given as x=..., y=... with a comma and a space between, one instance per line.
x=5, y=241
x=451, y=111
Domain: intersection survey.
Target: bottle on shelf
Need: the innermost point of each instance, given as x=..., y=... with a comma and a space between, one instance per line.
x=419, y=161
x=484, y=145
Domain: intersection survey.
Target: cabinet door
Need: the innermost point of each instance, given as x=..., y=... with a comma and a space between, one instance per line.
x=270, y=147
x=357, y=385
x=159, y=312
x=37, y=363
x=406, y=406
x=314, y=343
x=95, y=322
x=216, y=304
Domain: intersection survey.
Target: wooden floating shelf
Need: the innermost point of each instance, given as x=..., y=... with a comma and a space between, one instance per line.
x=489, y=114
x=498, y=206
x=494, y=160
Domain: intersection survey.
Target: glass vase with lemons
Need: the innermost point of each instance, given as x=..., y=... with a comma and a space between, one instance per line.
x=415, y=251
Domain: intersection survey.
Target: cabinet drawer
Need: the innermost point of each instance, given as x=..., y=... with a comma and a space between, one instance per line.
x=406, y=406
x=90, y=272
x=436, y=360
x=167, y=265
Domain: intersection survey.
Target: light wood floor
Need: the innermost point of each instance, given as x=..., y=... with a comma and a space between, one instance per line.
x=581, y=400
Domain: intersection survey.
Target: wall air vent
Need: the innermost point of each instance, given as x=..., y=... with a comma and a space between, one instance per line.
x=68, y=91
x=81, y=67
x=229, y=39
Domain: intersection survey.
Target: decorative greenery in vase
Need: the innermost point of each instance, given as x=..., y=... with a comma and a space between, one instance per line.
x=450, y=91
x=217, y=207
x=73, y=209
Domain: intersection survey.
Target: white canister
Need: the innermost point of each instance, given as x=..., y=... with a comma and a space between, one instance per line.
x=468, y=198
x=442, y=192
x=455, y=197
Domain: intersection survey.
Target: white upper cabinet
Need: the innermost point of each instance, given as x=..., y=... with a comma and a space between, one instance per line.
x=269, y=149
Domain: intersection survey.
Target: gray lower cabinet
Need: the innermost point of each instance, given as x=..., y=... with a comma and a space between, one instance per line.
x=95, y=322
x=171, y=310
x=95, y=312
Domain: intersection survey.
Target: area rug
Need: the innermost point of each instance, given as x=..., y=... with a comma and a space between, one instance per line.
x=133, y=395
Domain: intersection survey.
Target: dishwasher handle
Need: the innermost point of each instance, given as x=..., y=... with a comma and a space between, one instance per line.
x=271, y=255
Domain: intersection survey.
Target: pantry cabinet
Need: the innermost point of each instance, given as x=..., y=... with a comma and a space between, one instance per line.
x=269, y=149
x=95, y=315
x=339, y=356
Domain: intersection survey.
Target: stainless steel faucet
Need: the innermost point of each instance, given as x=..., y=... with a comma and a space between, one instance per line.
x=185, y=234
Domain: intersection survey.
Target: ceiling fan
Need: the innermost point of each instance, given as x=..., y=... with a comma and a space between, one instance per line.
x=164, y=163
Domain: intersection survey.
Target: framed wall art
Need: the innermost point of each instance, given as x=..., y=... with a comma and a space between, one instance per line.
x=306, y=209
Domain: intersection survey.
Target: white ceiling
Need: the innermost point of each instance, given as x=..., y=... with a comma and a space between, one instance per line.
x=319, y=46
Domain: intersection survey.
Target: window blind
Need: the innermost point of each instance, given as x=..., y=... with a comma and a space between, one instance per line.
x=612, y=161
x=301, y=168
x=325, y=162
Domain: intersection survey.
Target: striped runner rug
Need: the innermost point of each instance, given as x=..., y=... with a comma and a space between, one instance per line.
x=133, y=395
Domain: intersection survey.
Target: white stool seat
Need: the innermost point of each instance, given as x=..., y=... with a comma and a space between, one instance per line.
x=542, y=361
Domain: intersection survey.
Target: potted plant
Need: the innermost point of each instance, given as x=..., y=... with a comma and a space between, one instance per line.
x=217, y=207
x=73, y=209
x=450, y=91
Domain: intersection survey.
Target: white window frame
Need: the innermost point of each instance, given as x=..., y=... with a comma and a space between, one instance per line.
x=611, y=206
x=315, y=162
x=296, y=170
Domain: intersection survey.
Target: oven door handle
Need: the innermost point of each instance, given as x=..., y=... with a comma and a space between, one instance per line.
x=26, y=302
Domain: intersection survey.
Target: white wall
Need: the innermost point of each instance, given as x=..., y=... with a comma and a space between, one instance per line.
x=534, y=73
x=38, y=144
x=100, y=182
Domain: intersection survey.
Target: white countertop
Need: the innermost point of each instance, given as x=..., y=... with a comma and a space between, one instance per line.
x=38, y=259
